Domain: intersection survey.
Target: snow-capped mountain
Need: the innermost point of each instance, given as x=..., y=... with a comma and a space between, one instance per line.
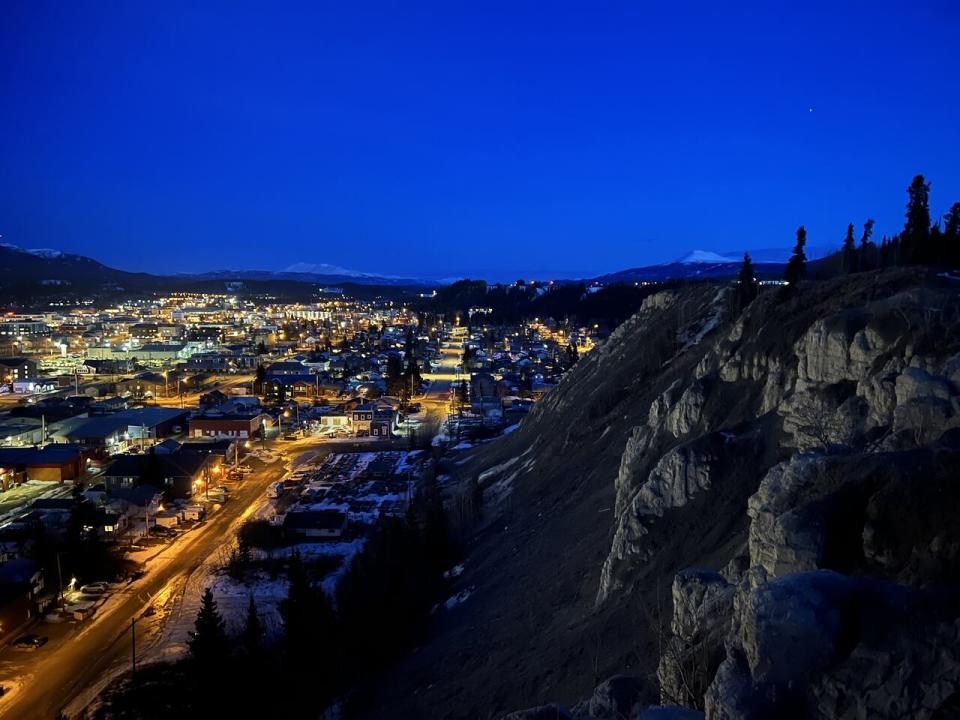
x=324, y=269
x=704, y=256
x=699, y=264
x=39, y=252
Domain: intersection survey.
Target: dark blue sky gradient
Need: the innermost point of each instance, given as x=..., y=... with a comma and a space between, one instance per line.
x=451, y=139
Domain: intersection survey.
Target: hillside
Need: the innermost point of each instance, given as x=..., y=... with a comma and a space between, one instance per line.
x=751, y=514
x=28, y=278
x=26, y=273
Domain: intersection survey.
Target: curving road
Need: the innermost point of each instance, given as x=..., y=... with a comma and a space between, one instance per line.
x=43, y=682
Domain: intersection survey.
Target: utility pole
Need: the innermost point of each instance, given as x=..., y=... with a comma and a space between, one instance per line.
x=133, y=646
x=60, y=577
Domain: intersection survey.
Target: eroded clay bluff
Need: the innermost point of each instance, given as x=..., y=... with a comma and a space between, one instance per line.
x=843, y=602
x=731, y=514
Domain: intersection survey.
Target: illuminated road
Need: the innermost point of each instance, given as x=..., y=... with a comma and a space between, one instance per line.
x=44, y=681
x=41, y=683
x=436, y=401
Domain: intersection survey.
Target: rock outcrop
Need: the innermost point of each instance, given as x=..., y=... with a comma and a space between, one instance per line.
x=866, y=406
x=784, y=477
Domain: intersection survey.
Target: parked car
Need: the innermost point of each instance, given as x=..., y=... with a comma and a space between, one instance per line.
x=274, y=490
x=30, y=642
x=289, y=436
x=221, y=489
x=95, y=588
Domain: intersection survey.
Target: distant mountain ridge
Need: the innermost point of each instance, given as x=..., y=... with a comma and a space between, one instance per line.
x=709, y=265
x=313, y=273
x=31, y=275
x=44, y=272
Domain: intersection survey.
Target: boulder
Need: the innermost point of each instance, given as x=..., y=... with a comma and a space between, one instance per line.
x=731, y=695
x=910, y=533
x=781, y=541
x=615, y=698
x=913, y=673
x=790, y=627
x=702, y=603
x=915, y=383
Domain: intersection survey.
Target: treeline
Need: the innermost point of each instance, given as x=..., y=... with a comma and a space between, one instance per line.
x=521, y=300
x=403, y=373
x=921, y=242
x=327, y=650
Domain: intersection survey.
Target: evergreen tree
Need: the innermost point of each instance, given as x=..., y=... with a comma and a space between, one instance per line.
x=866, y=259
x=208, y=642
x=849, y=258
x=797, y=265
x=526, y=381
x=747, y=287
x=411, y=378
x=916, y=231
x=951, y=228
x=436, y=536
x=394, y=374
x=572, y=354
x=308, y=618
x=251, y=638
x=259, y=378
x=951, y=237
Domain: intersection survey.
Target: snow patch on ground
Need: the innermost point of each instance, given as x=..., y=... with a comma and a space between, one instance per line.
x=497, y=469
x=454, y=572
x=233, y=597
x=458, y=599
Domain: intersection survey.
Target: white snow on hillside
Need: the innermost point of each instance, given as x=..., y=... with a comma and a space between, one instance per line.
x=49, y=253
x=705, y=256
x=324, y=269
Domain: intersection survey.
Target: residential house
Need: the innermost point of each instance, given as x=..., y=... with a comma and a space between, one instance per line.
x=373, y=419
x=21, y=585
x=145, y=385
x=178, y=474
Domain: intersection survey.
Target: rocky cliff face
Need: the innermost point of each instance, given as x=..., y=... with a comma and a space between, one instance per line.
x=785, y=478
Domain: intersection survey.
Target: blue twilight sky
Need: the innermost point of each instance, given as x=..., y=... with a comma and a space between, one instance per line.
x=466, y=138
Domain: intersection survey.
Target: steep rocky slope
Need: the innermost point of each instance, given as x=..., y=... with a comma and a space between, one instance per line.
x=751, y=515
